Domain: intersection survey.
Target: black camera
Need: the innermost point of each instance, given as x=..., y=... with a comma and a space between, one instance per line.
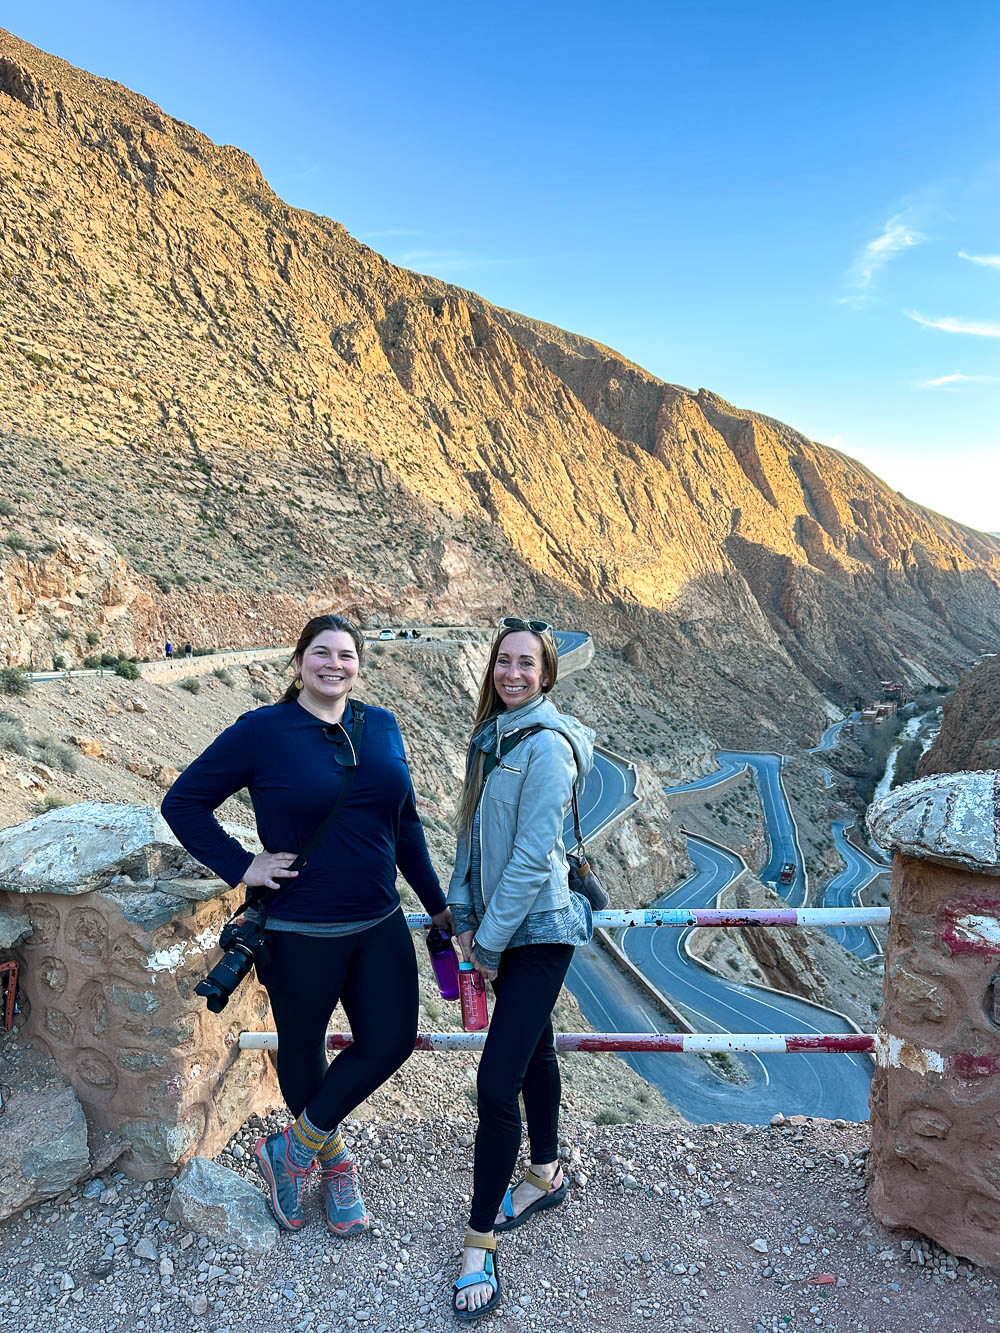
x=244, y=942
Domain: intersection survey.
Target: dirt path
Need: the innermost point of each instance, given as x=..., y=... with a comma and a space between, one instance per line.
x=664, y=1230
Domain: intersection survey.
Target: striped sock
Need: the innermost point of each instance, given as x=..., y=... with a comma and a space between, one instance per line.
x=304, y=1141
x=333, y=1152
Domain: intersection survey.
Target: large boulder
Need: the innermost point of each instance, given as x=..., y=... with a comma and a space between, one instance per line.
x=43, y=1147
x=77, y=847
x=215, y=1202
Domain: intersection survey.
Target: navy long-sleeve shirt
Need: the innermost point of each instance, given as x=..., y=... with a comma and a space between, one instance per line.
x=285, y=757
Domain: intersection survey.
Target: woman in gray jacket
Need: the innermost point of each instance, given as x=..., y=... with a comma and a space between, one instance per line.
x=518, y=923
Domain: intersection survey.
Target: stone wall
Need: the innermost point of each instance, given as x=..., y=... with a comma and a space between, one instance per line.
x=935, y=1159
x=107, y=982
x=108, y=979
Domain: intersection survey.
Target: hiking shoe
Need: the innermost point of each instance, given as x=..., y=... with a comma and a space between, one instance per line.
x=346, y=1214
x=284, y=1180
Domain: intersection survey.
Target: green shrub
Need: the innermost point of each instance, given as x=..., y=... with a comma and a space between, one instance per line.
x=91, y=663
x=220, y=673
x=261, y=695
x=14, y=680
x=6, y=508
x=58, y=662
x=109, y=659
x=58, y=756
x=16, y=542
x=192, y=684
x=126, y=669
x=93, y=638
x=202, y=652
x=64, y=632
x=609, y=1118
x=51, y=801
x=12, y=735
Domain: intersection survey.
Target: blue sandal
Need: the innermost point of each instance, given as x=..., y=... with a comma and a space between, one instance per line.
x=488, y=1275
x=553, y=1196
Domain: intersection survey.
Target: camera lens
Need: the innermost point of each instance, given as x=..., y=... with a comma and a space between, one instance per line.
x=215, y=998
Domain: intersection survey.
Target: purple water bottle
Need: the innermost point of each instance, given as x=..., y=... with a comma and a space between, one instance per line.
x=444, y=962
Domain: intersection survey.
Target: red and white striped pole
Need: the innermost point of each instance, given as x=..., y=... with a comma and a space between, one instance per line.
x=694, y=1043
x=722, y=916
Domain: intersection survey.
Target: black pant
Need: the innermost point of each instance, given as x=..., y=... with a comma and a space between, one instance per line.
x=519, y=1057
x=374, y=973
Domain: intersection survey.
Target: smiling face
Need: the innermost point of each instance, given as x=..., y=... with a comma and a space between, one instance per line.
x=519, y=674
x=328, y=668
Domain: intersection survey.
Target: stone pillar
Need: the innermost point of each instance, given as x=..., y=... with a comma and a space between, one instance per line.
x=935, y=1104
x=117, y=944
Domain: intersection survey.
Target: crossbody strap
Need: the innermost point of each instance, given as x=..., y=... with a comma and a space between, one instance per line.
x=357, y=731
x=493, y=759
x=581, y=851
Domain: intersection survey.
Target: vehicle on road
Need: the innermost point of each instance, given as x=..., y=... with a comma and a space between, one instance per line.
x=386, y=634
x=787, y=873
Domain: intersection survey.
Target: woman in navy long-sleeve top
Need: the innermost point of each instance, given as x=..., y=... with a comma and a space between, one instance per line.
x=335, y=929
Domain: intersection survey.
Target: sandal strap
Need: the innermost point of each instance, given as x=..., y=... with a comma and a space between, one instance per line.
x=546, y=1186
x=477, y=1241
x=508, y=1204
x=485, y=1277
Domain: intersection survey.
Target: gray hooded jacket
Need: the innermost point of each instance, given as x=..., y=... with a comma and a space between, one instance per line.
x=522, y=864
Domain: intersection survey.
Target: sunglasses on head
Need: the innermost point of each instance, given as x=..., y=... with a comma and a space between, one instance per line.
x=515, y=622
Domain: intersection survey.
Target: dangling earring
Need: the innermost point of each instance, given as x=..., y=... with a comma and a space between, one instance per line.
x=298, y=682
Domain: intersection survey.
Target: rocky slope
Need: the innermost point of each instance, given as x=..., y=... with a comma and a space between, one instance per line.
x=221, y=412
x=970, y=730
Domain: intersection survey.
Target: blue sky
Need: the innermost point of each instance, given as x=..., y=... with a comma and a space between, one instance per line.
x=795, y=206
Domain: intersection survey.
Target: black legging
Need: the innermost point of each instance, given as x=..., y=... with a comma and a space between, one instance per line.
x=374, y=974
x=519, y=1057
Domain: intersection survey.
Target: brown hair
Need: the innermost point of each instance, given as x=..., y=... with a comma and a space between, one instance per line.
x=490, y=704
x=313, y=629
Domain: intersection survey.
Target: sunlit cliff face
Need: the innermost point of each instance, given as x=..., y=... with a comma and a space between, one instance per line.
x=204, y=379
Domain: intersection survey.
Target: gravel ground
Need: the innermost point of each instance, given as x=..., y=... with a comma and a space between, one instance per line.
x=716, y=1229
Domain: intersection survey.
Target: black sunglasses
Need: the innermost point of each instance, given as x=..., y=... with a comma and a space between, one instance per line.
x=515, y=622
x=343, y=750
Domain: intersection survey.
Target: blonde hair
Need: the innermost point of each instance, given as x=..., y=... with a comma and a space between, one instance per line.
x=489, y=705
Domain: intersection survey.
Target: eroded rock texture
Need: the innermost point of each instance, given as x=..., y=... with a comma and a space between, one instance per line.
x=108, y=977
x=935, y=1161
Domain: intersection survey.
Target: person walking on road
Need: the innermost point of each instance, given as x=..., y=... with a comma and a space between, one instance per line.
x=517, y=922
x=168, y=651
x=187, y=651
x=335, y=929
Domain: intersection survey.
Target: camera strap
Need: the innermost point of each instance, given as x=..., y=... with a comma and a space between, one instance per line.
x=253, y=898
x=357, y=730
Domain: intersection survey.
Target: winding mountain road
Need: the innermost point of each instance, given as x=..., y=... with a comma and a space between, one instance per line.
x=822, y=1085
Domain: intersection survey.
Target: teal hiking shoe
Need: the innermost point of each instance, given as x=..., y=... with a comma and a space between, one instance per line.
x=346, y=1214
x=284, y=1180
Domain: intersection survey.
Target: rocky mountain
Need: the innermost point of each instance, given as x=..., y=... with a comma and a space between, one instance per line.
x=220, y=412
x=970, y=729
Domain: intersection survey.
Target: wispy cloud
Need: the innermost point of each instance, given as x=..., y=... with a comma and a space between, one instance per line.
x=896, y=236
x=948, y=381
x=987, y=261
x=949, y=324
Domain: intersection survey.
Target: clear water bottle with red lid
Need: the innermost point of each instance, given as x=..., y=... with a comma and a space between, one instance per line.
x=472, y=992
